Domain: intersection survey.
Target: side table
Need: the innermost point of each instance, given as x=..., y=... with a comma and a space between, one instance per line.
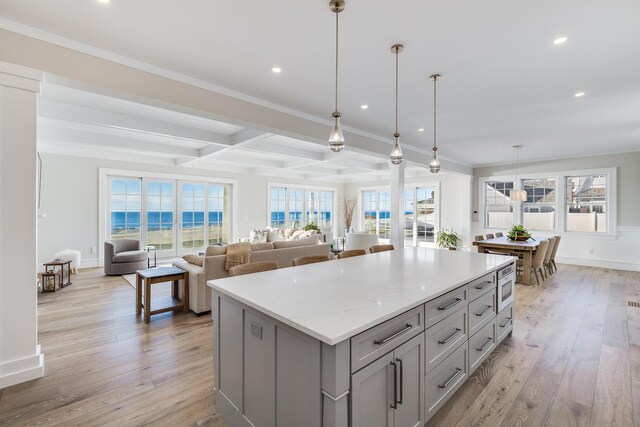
x=58, y=266
x=161, y=305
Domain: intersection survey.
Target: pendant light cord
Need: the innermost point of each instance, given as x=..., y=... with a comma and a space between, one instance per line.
x=434, y=111
x=337, y=14
x=396, y=94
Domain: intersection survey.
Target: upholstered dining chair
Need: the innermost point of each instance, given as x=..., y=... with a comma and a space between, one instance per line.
x=490, y=236
x=351, y=253
x=547, y=256
x=380, y=248
x=312, y=259
x=253, y=267
x=478, y=238
x=499, y=234
x=553, y=254
x=537, y=264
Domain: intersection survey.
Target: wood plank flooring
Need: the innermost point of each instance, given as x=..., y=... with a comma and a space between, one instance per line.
x=573, y=360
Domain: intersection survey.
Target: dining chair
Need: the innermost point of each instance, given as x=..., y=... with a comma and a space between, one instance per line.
x=252, y=267
x=555, y=250
x=312, y=259
x=547, y=256
x=537, y=264
x=499, y=234
x=478, y=238
x=380, y=248
x=351, y=253
x=490, y=236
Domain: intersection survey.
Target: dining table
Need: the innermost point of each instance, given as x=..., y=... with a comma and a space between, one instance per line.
x=520, y=248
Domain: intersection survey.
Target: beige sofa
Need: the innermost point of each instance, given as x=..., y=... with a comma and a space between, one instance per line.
x=213, y=266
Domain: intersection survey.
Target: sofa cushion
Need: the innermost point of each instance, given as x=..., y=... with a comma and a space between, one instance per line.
x=214, y=250
x=130, y=256
x=193, y=259
x=255, y=247
x=295, y=243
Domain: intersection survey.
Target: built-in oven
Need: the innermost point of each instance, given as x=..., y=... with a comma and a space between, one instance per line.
x=506, y=286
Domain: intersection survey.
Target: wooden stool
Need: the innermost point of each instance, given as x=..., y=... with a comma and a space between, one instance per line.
x=161, y=275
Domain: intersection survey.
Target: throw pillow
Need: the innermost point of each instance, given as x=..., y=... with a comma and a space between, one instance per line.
x=274, y=235
x=193, y=259
x=296, y=234
x=257, y=236
x=214, y=250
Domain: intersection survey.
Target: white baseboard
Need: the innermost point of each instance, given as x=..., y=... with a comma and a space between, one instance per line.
x=601, y=263
x=22, y=370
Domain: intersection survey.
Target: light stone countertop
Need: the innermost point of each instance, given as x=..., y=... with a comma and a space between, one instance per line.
x=335, y=300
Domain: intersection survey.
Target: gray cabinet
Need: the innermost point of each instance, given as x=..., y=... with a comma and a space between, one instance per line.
x=390, y=392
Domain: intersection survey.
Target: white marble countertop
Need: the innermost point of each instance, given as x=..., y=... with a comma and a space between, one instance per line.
x=333, y=301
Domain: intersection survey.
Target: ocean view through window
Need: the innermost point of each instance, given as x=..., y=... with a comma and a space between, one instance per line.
x=300, y=206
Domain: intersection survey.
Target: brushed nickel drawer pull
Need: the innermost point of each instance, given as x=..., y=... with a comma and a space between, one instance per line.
x=506, y=323
x=484, y=285
x=489, y=341
x=401, y=381
x=394, y=405
x=450, y=337
x=451, y=304
x=489, y=307
x=396, y=335
x=451, y=378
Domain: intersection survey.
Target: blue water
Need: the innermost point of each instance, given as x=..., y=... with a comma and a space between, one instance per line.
x=278, y=217
x=119, y=220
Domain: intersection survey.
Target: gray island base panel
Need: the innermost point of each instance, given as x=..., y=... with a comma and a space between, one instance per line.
x=378, y=340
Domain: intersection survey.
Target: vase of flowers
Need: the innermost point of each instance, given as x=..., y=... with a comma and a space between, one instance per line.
x=447, y=239
x=518, y=233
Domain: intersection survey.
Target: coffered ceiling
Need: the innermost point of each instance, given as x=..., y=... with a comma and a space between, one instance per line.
x=504, y=81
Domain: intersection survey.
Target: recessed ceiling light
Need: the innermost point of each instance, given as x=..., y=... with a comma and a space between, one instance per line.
x=421, y=130
x=560, y=40
x=104, y=1
x=364, y=106
x=276, y=70
x=579, y=94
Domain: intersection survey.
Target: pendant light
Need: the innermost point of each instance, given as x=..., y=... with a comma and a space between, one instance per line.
x=517, y=195
x=434, y=164
x=336, y=139
x=396, y=152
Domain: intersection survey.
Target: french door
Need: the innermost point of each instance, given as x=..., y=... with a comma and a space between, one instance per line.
x=160, y=218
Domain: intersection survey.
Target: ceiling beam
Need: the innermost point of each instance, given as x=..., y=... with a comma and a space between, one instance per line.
x=294, y=153
x=239, y=139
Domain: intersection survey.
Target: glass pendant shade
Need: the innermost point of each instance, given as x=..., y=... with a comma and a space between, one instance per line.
x=396, y=153
x=518, y=195
x=336, y=140
x=434, y=164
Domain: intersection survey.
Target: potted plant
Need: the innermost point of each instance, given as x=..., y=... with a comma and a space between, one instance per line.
x=312, y=226
x=447, y=239
x=518, y=232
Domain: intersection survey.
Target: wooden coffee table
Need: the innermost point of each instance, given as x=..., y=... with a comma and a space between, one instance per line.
x=163, y=304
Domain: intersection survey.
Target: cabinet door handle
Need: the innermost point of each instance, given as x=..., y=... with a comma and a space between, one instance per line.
x=489, y=307
x=450, y=337
x=394, y=405
x=489, y=341
x=401, y=381
x=451, y=378
x=506, y=323
x=484, y=285
x=395, y=335
x=451, y=304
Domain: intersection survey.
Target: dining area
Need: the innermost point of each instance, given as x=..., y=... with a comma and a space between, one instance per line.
x=535, y=256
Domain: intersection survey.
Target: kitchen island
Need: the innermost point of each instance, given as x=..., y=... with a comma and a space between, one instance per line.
x=377, y=340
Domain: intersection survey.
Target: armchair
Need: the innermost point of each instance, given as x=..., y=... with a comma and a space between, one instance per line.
x=124, y=256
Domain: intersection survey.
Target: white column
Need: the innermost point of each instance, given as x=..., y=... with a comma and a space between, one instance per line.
x=20, y=357
x=396, y=181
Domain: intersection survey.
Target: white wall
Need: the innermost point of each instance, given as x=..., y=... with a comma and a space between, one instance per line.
x=622, y=250
x=455, y=199
x=70, y=201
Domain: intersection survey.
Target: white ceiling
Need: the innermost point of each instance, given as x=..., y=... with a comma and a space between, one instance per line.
x=504, y=82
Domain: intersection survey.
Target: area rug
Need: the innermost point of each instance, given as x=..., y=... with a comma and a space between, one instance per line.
x=131, y=278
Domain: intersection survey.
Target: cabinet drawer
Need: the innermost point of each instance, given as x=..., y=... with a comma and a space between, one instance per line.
x=504, y=322
x=445, y=337
x=482, y=285
x=373, y=343
x=445, y=305
x=444, y=380
x=482, y=311
x=481, y=345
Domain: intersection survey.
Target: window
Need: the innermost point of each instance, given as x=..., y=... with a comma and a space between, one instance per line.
x=300, y=206
x=160, y=209
x=192, y=204
x=370, y=211
x=586, y=203
x=219, y=213
x=125, y=208
x=497, y=206
x=420, y=215
x=539, y=210
x=376, y=211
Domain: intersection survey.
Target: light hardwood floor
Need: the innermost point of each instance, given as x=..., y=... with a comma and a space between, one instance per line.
x=574, y=359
